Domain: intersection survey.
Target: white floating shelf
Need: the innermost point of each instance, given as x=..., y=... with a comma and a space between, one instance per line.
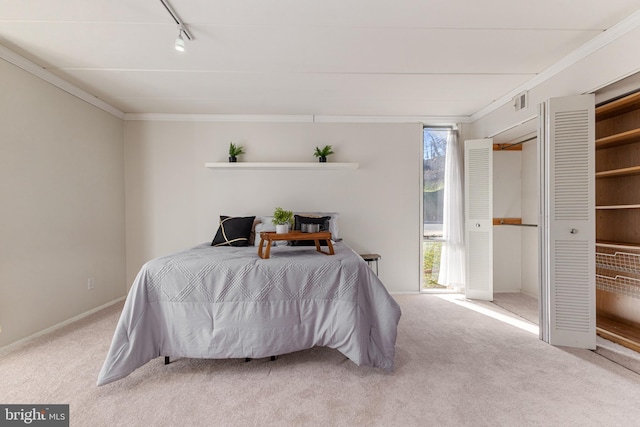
x=281, y=165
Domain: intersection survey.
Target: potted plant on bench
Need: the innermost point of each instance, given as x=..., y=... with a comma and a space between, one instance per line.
x=282, y=220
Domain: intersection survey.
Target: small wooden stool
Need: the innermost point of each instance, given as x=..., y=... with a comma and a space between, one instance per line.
x=370, y=258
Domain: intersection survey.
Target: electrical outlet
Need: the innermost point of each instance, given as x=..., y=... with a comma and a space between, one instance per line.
x=91, y=283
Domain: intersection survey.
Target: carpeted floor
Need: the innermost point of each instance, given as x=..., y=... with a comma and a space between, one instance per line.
x=458, y=363
x=526, y=307
x=519, y=304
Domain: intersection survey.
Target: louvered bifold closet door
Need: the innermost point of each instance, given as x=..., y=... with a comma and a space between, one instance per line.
x=478, y=167
x=569, y=223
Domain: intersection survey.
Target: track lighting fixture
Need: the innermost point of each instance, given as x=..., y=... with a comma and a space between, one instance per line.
x=182, y=28
x=179, y=41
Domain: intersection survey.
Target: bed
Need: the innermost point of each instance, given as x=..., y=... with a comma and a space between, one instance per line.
x=226, y=302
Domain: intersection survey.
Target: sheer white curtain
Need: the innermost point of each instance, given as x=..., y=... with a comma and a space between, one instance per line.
x=452, y=257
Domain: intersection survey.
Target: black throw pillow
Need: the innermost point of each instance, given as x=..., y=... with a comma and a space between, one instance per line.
x=233, y=231
x=323, y=221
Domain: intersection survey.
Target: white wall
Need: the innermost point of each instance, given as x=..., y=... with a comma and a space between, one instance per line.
x=174, y=202
x=62, y=205
x=507, y=202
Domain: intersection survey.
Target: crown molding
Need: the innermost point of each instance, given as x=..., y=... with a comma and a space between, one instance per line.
x=425, y=120
x=38, y=71
x=257, y=118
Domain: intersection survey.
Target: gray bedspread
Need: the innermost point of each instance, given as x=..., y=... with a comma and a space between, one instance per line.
x=226, y=302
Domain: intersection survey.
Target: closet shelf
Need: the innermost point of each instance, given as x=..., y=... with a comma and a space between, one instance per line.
x=633, y=170
x=511, y=221
x=617, y=245
x=620, y=106
x=616, y=331
x=507, y=147
x=507, y=221
x=622, y=138
x=615, y=207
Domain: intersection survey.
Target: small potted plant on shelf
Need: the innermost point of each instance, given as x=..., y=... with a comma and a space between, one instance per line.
x=322, y=153
x=283, y=220
x=234, y=152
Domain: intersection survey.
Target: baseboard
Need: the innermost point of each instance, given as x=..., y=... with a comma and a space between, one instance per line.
x=59, y=325
x=529, y=294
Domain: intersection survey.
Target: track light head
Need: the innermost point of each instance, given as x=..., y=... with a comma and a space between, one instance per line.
x=179, y=42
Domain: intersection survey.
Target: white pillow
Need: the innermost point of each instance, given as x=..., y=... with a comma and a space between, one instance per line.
x=267, y=220
x=267, y=226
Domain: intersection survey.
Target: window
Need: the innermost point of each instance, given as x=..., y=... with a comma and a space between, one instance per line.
x=433, y=172
x=435, y=150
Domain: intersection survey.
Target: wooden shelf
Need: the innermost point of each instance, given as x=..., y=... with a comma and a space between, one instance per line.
x=617, y=245
x=281, y=166
x=507, y=147
x=623, y=138
x=619, y=106
x=633, y=170
x=507, y=221
x=622, y=333
x=616, y=207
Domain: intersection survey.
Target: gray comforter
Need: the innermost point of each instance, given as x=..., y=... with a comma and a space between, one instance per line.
x=226, y=302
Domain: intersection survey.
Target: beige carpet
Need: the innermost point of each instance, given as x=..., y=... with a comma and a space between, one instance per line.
x=454, y=367
x=520, y=304
x=526, y=307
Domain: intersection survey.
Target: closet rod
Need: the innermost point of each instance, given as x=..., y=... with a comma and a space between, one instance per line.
x=506, y=147
x=522, y=225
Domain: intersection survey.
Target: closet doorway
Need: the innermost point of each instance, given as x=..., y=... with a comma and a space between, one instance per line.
x=515, y=223
x=515, y=210
x=565, y=220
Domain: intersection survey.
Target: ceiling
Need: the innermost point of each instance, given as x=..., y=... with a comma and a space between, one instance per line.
x=435, y=58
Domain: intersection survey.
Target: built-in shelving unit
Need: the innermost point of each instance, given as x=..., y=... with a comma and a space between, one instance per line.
x=618, y=220
x=281, y=166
